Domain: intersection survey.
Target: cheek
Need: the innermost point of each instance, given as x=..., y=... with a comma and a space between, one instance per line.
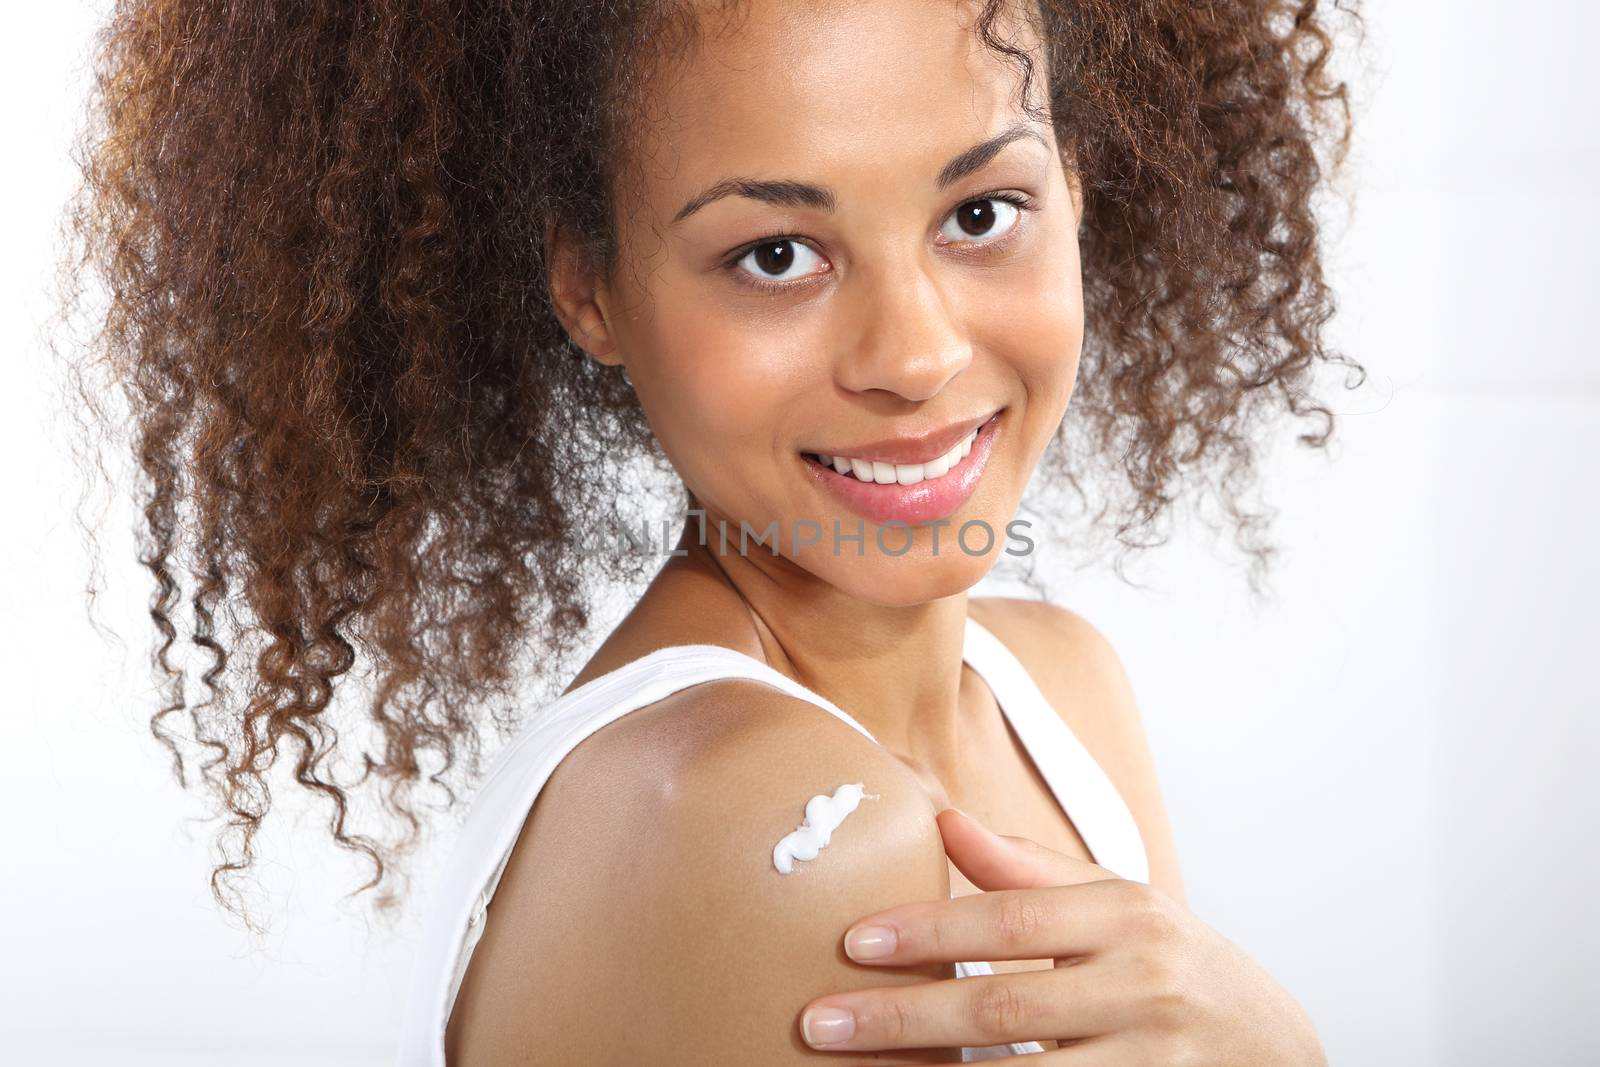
x=711, y=381
x=1037, y=329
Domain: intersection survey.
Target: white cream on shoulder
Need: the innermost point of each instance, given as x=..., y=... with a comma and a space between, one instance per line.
x=823, y=815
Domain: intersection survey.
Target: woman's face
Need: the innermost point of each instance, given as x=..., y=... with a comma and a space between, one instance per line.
x=849, y=233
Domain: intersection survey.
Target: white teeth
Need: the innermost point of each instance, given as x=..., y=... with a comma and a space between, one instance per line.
x=901, y=473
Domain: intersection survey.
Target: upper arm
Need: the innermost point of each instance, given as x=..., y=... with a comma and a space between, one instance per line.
x=1081, y=674
x=668, y=937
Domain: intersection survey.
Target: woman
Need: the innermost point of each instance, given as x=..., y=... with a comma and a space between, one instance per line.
x=399, y=290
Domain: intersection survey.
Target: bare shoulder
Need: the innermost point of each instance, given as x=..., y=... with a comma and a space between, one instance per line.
x=1082, y=676
x=641, y=918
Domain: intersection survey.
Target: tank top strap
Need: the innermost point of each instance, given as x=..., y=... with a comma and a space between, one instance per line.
x=511, y=784
x=564, y=724
x=1081, y=786
x=456, y=913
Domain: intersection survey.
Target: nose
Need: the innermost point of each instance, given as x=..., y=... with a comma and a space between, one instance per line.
x=909, y=341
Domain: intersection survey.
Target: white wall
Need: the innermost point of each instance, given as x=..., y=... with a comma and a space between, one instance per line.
x=1377, y=778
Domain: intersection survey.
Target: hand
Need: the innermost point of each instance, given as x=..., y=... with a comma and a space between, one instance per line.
x=1137, y=978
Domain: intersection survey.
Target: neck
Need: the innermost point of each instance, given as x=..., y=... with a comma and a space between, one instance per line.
x=896, y=669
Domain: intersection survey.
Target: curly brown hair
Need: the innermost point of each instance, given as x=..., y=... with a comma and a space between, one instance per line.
x=321, y=228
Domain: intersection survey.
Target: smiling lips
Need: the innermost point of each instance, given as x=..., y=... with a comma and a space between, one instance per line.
x=912, y=493
x=881, y=473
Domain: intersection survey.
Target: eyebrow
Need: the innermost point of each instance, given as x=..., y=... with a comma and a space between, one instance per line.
x=790, y=193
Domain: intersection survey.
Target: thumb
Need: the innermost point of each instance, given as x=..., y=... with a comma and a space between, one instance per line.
x=1000, y=861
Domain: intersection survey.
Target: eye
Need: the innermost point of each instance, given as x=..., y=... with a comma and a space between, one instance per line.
x=779, y=259
x=983, y=219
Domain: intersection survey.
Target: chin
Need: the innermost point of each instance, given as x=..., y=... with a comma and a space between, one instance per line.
x=919, y=576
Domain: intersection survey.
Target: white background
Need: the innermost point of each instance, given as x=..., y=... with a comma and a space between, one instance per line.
x=1381, y=779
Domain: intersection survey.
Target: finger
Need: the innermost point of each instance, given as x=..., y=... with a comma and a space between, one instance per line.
x=1060, y=1003
x=1000, y=861
x=1058, y=922
x=1095, y=1052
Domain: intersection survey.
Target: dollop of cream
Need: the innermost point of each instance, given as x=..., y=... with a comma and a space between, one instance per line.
x=823, y=815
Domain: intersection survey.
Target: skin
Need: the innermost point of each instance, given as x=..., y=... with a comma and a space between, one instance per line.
x=1136, y=977
x=642, y=879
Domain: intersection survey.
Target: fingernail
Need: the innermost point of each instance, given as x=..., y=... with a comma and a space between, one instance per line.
x=870, y=942
x=969, y=818
x=827, y=1026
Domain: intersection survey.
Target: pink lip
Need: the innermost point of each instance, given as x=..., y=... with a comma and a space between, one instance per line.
x=909, y=449
x=927, y=501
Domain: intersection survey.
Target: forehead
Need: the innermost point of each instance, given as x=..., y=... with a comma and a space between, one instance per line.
x=801, y=87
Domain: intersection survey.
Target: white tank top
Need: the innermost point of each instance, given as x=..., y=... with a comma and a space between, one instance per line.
x=459, y=903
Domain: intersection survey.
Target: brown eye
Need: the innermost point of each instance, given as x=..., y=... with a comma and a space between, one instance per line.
x=777, y=260
x=976, y=217
x=985, y=217
x=775, y=257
